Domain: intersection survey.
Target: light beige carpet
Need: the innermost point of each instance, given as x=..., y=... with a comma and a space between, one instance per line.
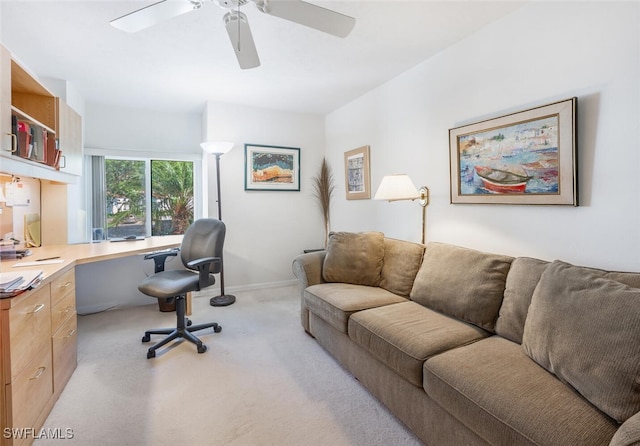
x=263, y=381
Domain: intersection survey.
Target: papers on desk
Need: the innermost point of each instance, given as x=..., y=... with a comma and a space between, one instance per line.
x=38, y=262
x=12, y=284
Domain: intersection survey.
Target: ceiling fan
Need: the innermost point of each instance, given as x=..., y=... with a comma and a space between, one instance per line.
x=236, y=23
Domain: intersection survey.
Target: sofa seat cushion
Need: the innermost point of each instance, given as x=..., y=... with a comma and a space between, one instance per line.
x=335, y=302
x=404, y=335
x=497, y=391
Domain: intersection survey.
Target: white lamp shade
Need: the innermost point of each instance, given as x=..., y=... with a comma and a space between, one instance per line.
x=215, y=147
x=397, y=187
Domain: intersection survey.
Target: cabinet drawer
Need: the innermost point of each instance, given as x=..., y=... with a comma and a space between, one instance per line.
x=29, y=330
x=29, y=393
x=65, y=353
x=63, y=285
x=62, y=310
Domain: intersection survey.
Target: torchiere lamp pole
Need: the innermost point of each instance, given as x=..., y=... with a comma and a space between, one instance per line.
x=219, y=148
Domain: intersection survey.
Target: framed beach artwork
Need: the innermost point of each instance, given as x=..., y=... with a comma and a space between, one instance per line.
x=528, y=157
x=357, y=174
x=271, y=168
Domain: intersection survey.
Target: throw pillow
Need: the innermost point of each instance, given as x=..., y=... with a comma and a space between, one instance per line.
x=522, y=279
x=583, y=328
x=462, y=283
x=354, y=258
x=402, y=260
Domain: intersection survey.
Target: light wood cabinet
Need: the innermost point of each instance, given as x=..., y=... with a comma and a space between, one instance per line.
x=30, y=113
x=39, y=354
x=69, y=138
x=7, y=140
x=64, y=329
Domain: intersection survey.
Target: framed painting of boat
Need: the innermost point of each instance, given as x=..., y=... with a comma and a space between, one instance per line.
x=528, y=157
x=271, y=168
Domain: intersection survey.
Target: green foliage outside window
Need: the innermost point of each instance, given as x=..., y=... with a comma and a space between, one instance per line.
x=172, y=196
x=126, y=197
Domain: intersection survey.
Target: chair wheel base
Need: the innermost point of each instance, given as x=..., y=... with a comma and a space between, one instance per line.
x=146, y=338
x=217, y=329
x=151, y=354
x=202, y=348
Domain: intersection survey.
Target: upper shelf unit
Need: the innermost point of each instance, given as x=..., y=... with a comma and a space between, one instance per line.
x=41, y=136
x=31, y=100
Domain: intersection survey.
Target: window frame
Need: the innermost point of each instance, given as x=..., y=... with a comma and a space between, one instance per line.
x=147, y=157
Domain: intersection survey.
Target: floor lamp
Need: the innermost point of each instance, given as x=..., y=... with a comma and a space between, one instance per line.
x=219, y=148
x=400, y=187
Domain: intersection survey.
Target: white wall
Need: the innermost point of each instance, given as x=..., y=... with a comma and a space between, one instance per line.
x=109, y=127
x=541, y=53
x=265, y=229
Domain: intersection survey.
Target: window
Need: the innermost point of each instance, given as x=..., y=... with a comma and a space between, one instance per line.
x=140, y=197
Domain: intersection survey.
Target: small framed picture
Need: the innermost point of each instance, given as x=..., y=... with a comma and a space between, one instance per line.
x=357, y=174
x=271, y=168
x=528, y=157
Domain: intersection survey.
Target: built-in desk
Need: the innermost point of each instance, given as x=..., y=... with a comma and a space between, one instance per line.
x=38, y=333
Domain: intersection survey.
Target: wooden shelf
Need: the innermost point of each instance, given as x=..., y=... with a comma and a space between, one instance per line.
x=30, y=97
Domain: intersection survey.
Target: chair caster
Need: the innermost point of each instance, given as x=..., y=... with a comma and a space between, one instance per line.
x=189, y=323
x=201, y=348
x=217, y=329
x=146, y=338
x=151, y=354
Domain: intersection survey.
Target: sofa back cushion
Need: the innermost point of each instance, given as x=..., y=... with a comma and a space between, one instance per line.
x=402, y=259
x=461, y=282
x=585, y=328
x=522, y=279
x=354, y=258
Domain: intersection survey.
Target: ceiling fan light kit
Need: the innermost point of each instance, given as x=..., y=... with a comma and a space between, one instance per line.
x=236, y=23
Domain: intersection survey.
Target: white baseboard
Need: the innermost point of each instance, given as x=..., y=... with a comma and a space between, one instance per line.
x=208, y=293
x=251, y=287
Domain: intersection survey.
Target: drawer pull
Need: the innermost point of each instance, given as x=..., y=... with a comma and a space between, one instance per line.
x=66, y=310
x=39, y=374
x=71, y=333
x=37, y=309
x=68, y=284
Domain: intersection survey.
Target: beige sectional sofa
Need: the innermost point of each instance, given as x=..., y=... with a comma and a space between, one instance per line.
x=473, y=348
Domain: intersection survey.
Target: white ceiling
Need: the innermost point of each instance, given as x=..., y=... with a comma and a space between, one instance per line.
x=182, y=63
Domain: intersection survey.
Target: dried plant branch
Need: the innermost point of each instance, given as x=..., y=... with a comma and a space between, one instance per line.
x=323, y=187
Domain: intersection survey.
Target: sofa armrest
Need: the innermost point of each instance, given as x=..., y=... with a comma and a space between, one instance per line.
x=308, y=269
x=628, y=433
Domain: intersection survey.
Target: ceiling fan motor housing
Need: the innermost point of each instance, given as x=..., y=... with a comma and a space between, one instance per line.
x=228, y=4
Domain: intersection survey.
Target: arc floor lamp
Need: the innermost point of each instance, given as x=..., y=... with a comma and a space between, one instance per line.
x=219, y=148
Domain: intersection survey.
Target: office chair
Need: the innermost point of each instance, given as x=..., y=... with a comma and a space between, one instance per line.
x=201, y=251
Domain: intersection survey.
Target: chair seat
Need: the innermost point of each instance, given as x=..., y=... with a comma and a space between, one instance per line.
x=171, y=283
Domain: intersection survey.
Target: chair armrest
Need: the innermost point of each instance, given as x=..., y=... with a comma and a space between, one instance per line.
x=204, y=267
x=160, y=257
x=628, y=433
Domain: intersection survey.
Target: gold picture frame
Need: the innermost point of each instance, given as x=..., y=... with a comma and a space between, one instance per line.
x=528, y=157
x=357, y=174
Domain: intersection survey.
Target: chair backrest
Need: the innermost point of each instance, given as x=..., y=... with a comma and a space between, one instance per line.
x=204, y=238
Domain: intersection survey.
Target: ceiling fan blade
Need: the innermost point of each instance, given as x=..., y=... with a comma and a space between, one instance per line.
x=153, y=14
x=241, y=39
x=310, y=15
